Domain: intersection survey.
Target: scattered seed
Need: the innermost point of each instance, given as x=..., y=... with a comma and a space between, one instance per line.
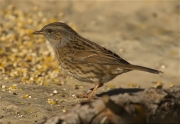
x=52, y=102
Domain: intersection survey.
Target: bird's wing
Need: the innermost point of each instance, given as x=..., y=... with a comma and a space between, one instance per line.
x=98, y=57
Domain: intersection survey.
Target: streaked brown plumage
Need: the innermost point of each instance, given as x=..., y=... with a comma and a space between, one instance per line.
x=83, y=59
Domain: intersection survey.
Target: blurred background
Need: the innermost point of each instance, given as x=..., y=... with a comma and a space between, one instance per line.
x=142, y=32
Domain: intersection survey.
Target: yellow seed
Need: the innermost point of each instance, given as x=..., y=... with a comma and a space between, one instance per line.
x=25, y=96
x=14, y=86
x=111, y=86
x=52, y=102
x=132, y=85
x=159, y=83
x=172, y=85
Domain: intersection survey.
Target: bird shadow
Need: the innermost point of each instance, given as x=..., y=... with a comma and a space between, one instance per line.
x=119, y=91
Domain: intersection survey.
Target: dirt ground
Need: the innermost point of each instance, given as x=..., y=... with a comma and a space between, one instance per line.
x=142, y=32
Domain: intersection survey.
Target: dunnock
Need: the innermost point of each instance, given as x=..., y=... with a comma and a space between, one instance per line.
x=83, y=59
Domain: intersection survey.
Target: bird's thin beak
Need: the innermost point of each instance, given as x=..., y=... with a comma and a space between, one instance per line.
x=38, y=32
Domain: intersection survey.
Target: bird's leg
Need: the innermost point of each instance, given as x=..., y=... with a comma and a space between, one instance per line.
x=90, y=90
x=92, y=93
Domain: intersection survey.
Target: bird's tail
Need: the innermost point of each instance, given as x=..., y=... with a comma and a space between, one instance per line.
x=141, y=68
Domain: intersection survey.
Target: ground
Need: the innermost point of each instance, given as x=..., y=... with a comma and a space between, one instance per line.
x=33, y=87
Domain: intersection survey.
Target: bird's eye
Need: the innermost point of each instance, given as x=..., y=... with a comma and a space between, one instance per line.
x=49, y=30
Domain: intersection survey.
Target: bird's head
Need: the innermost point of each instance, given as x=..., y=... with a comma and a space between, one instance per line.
x=57, y=33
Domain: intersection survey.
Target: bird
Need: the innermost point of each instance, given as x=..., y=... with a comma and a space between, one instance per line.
x=83, y=59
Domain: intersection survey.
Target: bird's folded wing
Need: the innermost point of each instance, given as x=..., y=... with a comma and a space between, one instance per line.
x=98, y=57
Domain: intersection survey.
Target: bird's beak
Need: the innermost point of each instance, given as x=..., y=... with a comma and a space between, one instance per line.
x=38, y=32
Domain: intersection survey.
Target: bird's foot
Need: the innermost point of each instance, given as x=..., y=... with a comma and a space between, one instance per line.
x=85, y=94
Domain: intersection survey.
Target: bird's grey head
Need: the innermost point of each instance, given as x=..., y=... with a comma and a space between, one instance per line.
x=57, y=33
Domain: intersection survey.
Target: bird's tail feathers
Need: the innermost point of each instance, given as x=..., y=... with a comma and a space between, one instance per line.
x=141, y=68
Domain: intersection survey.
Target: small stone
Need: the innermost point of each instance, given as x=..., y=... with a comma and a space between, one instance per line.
x=64, y=110
x=55, y=91
x=74, y=96
x=3, y=86
x=163, y=66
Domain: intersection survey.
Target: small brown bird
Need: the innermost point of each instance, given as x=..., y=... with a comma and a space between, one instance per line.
x=83, y=59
